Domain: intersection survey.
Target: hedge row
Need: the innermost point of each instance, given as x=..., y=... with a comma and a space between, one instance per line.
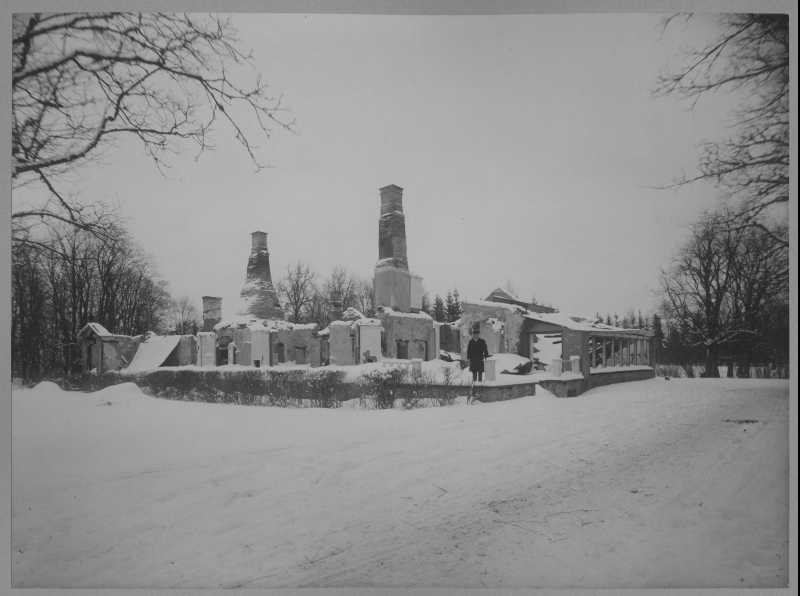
x=287, y=388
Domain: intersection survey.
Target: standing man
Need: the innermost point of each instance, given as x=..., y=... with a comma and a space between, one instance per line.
x=476, y=352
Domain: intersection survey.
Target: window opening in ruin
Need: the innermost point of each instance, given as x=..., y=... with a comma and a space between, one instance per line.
x=402, y=349
x=300, y=355
x=421, y=349
x=548, y=348
x=278, y=354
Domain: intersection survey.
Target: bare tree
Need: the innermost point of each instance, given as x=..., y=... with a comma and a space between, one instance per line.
x=70, y=278
x=185, y=318
x=696, y=289
x=760, y=293
x=296, y=290
x=751, y=167
x=81, y=81
x=342, y=280
x=364, y=296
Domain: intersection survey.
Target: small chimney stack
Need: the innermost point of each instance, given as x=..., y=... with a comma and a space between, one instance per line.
x=259, y=241
x=212, y=312
x=336, y=305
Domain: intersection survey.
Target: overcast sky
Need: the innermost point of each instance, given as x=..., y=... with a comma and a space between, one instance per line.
x=526, y=145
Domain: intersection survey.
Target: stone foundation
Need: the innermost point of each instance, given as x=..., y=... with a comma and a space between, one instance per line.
x=626, y=376
x=487, y=394
x=571, y=388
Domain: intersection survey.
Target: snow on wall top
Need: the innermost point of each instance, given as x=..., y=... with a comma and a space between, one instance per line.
x=255, y=323
x=388, y=310
x=352, y=314
x=387, y=262
x=368, y=322
x=359, y=322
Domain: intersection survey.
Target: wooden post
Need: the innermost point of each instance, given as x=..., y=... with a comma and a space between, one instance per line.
x=604, y=351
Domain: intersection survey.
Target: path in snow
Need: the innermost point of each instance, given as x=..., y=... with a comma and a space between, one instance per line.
x=646, y=484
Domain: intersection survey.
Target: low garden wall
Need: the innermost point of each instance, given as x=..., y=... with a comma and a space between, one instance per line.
x=566, y=388
x=491, y=393
x=620, y=376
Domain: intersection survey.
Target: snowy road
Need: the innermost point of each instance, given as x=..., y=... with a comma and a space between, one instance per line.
x=680, y=483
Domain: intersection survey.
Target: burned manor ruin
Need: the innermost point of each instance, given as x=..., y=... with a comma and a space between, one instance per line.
x=256, y=334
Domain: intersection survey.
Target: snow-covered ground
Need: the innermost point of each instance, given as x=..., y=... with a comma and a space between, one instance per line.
x=680, y=483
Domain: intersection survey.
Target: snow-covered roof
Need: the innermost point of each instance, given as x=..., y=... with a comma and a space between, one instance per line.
x=368, y=322
x=95, y=328
x=501, y=293
x=488, y=303
x=581, y=323
x=153, y=352
x=388, y=310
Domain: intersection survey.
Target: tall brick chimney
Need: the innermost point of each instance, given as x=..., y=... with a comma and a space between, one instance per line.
x=259, y=241
x=258, y=296
x=212, y=312
x=336, y=305
x=392, y=227
x=392, y=281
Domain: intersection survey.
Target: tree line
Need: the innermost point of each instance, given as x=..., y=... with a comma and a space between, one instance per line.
x=725, y=294
x=725, y=297
x=68, y=277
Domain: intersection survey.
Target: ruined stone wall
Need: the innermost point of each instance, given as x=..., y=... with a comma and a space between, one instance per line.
x=187, y=351
x=369, y=340
x=260, y=346
x=411, y=329
x=324, y=351
x=340, y=348
x=207, y=348
x=304, y=341
x=576, y=343
x=282, y=340
x=118, y=352
x=478, y=313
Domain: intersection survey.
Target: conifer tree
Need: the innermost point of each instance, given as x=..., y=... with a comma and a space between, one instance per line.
x=456, y=305
x=448, y=305
x=439, y=313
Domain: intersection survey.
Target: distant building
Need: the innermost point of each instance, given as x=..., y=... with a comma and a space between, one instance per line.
x=501, y=295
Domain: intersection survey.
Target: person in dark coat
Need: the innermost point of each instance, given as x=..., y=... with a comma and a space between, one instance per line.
x=476, y=352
